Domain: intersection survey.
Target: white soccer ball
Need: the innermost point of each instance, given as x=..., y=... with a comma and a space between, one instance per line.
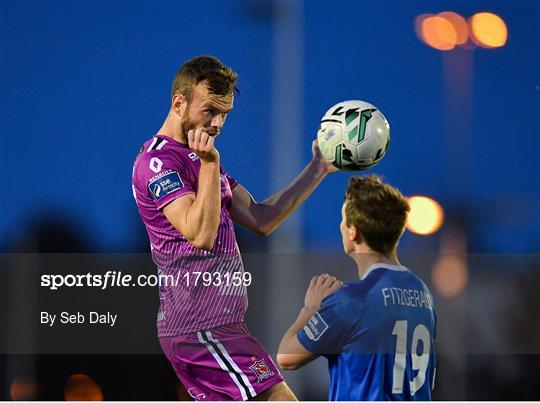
x=354, y=135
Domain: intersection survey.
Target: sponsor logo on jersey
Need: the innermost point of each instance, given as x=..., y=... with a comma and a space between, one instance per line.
x=165, y=184
x=261, y=370
x=315, y=327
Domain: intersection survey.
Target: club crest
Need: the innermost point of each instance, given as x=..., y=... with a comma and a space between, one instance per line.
x=261, y=370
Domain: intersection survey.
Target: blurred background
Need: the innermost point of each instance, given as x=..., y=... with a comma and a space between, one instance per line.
x=85, y=83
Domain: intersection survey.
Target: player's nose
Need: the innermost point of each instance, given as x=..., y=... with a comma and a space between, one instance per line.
x=217, y=121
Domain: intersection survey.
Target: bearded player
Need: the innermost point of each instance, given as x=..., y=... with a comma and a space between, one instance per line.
x=188, y=204
x=378, y=333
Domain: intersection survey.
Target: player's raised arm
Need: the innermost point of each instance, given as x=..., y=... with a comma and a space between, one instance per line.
x=291, y=354
x=197, y=216
x=264, y=217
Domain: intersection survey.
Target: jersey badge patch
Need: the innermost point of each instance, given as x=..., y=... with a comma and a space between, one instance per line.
x=165, y=185
x=315, y=327
x=261, y=370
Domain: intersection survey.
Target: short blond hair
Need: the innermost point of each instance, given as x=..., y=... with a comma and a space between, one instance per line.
x=378, y=210
x=221, y=79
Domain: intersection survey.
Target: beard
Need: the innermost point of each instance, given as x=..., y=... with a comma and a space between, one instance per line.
x=187, y=125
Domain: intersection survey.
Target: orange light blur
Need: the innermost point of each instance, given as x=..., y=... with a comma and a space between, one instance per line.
x=418, y=25
x=426, y=215
x=82, y=387
x=450, y=275
x=439, y=33
x=488, y=30
x=23, y=389
x=459, y=24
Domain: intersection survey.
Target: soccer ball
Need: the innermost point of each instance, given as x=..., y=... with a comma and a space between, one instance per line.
x=354, y=135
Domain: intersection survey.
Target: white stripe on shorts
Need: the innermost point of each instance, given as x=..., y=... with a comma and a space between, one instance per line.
x=231, y=361
x=223, y=365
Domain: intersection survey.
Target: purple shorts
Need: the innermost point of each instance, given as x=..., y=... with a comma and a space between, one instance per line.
x=223, y=363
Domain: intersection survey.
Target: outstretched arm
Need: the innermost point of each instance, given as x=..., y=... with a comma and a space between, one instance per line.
x=264, y=217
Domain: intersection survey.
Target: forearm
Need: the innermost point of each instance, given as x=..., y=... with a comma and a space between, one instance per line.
x=274, y=210
x=291, y=354
x=203, y=215
x=301, y=321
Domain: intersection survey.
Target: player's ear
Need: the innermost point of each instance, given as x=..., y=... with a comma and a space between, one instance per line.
x=179, y=104
x=353, y=233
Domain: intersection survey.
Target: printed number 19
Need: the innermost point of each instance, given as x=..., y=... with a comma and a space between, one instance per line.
x=419, y=362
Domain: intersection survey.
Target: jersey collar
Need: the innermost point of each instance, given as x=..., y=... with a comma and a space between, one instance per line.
x=171, y=140
x=383, y=266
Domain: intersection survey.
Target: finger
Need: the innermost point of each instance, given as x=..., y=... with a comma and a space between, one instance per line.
x=197, y=139
x=204, y=139
x=190, y=136
x=322, y=278
x=313, y=281
x=209, y=144
x=335, y=286
x=328, y=280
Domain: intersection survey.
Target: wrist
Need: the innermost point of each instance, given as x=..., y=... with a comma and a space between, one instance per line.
x=320, y=166
x=210, y=163
x=308, y=310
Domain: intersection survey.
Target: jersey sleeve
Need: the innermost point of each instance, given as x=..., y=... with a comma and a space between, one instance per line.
x=328, y=329
x=232, y=182
x=164, y=177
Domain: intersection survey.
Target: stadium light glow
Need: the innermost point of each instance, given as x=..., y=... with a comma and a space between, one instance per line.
x=82, y=387
x=438, y=33
x=446, y=30
x=450, y=275
x=418, y=25
x=488, y=30
x=426, y=215
x=23, y=389
x=460, y=26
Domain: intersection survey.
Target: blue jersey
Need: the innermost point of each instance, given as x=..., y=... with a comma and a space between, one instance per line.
x=378, y=335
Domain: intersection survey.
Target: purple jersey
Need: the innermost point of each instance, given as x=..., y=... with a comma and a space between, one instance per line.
x=163, y=171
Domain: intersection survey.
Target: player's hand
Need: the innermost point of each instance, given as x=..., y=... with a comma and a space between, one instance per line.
x=203, y=144
x=319, y=288
x=319, y=158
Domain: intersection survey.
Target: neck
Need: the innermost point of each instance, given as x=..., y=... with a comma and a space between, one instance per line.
x=172, y=127
x=366, y=258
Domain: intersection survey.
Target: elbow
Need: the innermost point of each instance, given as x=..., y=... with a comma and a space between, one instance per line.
x=207, y=246
x=286, y=363
x=204, y=243
x=259, y=230
x=262, y=233
x=264, y=230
